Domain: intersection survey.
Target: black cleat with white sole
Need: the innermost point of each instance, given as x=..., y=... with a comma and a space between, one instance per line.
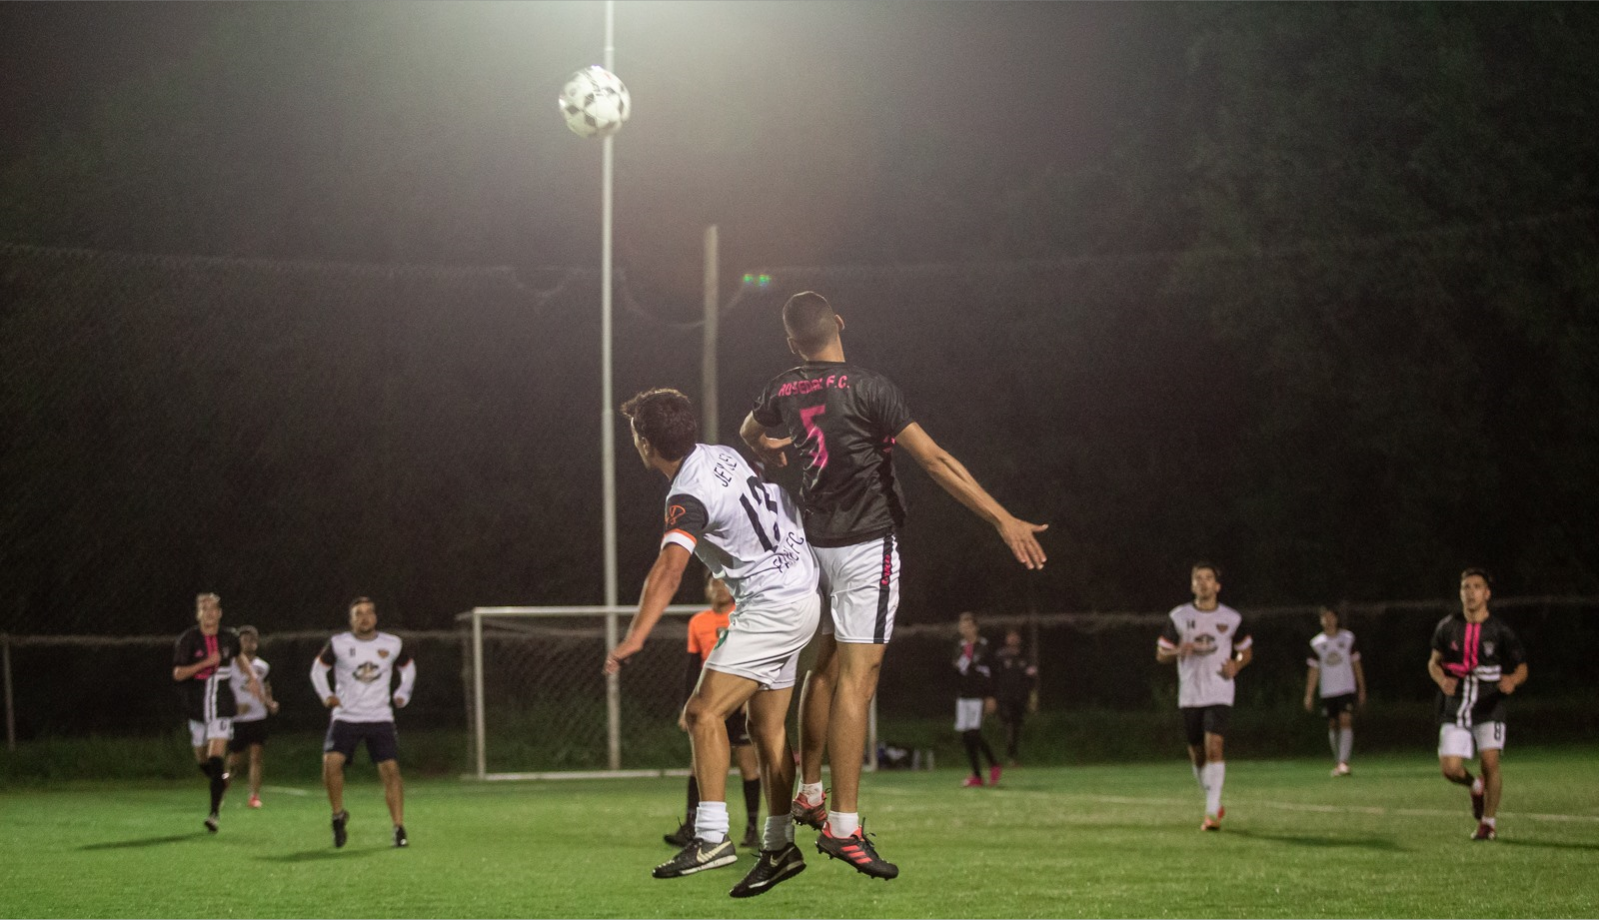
x=771, y=867
x=697, y=857
x=339, y=836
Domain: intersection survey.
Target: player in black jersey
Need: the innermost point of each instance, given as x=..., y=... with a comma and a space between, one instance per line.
x=846, y=421
x=202, y=665
x=1476, y=662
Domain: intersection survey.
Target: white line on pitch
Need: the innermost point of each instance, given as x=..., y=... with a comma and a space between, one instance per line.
x=286, y=790
x=1332, y=809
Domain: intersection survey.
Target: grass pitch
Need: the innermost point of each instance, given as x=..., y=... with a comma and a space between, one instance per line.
x=1106, y=841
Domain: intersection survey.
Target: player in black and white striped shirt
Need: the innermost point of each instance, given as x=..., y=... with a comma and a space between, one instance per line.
x=202, y=664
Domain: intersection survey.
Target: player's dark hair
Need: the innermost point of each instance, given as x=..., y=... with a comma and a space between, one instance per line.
x=665, y=418
x=207, y=597
x=810, y=321
x=1205, y=564
x=361, y=600
x=1480, y=572
x=1328, y=608
x=249, y=631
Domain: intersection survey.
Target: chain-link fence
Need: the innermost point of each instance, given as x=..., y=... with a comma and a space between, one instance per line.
x=546, y=702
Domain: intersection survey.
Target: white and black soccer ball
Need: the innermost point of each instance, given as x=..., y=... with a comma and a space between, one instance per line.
x=594, y=102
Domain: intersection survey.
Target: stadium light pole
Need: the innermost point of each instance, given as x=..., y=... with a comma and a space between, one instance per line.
x=613, y=687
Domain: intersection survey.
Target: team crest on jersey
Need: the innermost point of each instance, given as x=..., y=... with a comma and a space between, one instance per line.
x=1221, y=627
x=674, y=513
x=1334, y=659
x=383, y=653
x=1487, y=648
x=366, y=672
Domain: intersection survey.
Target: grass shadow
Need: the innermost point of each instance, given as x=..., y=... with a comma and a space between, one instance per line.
x=316, y=855
x=142, y=842
x=1383, y=844
x=1546, y=844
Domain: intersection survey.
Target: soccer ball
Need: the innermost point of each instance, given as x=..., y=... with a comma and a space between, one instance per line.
x=594, y=102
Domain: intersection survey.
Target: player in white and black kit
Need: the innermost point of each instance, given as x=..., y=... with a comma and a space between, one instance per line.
x=363, y=698
x=202, y=664
x=747, y=533
x=1210, y=645
x=846, y=421
x=1476, y=661
x=1334, y=668
x=249, y=722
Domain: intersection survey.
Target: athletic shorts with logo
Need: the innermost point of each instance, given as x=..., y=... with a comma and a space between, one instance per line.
x=382, y=741
x=1199, y=721
x=861, y=582
x=1458, y=741
x=201, y=732
x=764, y=643
x=1334, y=706
x=247, y=733
x=968, y=715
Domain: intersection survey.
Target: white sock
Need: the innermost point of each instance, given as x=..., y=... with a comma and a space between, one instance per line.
x=774, y=835
x=1214, y=775
x=710, y=821
x=1346, y=744
x=1476, y=786
x=1490, y=822
x=811, y=793
x=842, y=824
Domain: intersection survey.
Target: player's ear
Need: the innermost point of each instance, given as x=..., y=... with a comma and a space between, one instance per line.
x=840, y=321
x=794, y=349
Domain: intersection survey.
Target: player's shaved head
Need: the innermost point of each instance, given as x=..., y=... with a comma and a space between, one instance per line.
x=810, y=321
x=665, y=418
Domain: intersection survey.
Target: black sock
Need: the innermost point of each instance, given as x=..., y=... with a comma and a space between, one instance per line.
x=214, y=770
x=693, y=798
x=987, y=751
x=752, y=800
x=969, y=741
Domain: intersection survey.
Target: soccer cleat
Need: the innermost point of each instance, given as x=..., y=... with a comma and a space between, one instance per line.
x=255, y=801
x=339, y=836
x=681, y=837
x=400, y=840
x=697, y=857
x=771, y=867
x=971, y=782
x=1211, y=824
x=857, y=850
x=1485, y=832
x=993, y=775
x=809, y=815
x=752, y=840
x=1341, y=770
x=1478, y=798
x=211, y=822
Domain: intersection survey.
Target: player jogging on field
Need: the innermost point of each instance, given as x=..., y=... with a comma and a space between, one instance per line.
x=249, y=723
x=363, y=662
x=1476, y=662
x=747, y=533
x=1334, y=667
x=202, y=664
x=1210, y=645
x=845, y=422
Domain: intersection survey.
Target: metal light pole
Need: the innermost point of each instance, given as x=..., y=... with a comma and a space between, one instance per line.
x=613, y=690
x=708, y=392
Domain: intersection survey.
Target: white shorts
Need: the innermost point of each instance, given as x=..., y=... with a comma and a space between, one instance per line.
x=1456, y=741
x=861, y=582
x=201, y=732
x=968, y=715
x=764, y=644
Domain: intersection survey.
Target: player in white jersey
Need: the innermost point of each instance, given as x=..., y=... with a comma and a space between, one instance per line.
x=1334, y=667
x=1210, y=645
x=747, y=532
x=249, y=722
x=363, y=662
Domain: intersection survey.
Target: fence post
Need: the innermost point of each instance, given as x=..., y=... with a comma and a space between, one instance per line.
x=11, y=712
x=479, y=739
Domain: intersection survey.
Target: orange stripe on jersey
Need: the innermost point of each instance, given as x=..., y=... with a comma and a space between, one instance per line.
x=685, y=533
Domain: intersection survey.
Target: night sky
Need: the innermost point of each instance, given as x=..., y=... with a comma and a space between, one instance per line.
x=1306, y=289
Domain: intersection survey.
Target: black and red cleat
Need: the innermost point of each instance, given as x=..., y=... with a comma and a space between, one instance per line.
x=809, y=815
x=1478, y=796
x=857, y=850
x=1485, y=832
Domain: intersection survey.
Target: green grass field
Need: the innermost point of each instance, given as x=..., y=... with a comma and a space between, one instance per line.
x=1108, y=840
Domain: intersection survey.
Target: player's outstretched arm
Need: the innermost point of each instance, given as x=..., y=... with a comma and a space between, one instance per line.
x=660, y=585
x=770, y=450
x=958, y=482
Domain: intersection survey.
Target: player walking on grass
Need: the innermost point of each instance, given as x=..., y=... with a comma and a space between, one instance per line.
x=845, y=421
x=249, y=724
x=202, y=665
x=747, y=533
x=705, y=629
x=1210, y=645
x=362, y=663
x=1476, y=662
x=974, y=696
x=1334, y=667
x=1015, y=689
